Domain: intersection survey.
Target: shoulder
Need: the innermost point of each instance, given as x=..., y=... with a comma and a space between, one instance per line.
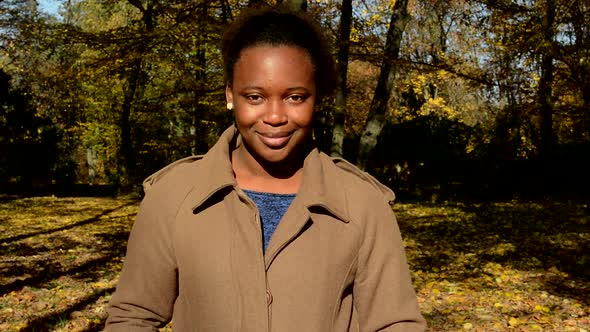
x=357, y=182
x=364, y=201
x=172, y=173
x=166, y=190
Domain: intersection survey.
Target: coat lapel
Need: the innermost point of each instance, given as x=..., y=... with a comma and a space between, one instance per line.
x=319, y=190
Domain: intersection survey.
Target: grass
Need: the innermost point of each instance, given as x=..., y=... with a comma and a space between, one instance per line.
x=498, y=266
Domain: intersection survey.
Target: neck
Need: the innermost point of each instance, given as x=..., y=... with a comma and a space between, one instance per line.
x=260, y=175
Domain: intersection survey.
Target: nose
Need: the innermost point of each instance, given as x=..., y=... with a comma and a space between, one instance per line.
x=275, y=114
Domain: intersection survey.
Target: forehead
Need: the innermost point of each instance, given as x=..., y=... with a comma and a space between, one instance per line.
x=266, y=62
x=264, y=49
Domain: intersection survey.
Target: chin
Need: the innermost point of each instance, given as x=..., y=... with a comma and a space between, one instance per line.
x=274, y=157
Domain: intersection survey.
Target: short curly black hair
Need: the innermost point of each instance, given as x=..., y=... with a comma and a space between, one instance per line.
x=277, y=27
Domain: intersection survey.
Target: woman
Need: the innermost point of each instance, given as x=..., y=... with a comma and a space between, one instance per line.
x=265, y=233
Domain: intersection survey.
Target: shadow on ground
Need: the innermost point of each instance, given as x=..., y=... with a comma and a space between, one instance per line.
x=65, y=227
x=81, y=250
x=553, y=237
x=47, y=322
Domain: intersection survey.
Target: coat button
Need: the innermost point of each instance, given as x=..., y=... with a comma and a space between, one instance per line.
x=268, y=297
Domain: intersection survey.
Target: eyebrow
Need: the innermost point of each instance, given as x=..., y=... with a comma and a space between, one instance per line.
x=253, y=87
x=298, y=88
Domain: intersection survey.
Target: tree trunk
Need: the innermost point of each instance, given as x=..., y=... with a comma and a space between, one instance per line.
x=376, y=117
x=226, y=14
x=199, y=145
x=126, y=156
x=581, y=71
x=135, y=84
x=545, y=90
x=337, y=149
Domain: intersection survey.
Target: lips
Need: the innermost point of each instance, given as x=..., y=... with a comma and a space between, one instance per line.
x=275, y=140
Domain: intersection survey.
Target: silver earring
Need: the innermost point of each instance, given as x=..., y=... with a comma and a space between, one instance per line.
x=230, y=106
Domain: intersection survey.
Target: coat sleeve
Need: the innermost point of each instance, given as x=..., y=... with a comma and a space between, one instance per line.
x=383, y=294
x=147, y=287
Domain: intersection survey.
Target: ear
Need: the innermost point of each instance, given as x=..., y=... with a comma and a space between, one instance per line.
x=229, y=95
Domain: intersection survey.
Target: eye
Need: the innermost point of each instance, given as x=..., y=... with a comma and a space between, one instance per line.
x=296, y=99
x=254, y=99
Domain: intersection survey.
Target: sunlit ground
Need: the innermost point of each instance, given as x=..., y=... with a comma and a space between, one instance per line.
x=481, y=267
x=500, y=266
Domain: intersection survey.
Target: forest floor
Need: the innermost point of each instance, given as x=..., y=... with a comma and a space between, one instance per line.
x=495, y=266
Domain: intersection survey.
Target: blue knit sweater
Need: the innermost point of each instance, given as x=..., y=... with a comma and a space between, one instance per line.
x=271, y=207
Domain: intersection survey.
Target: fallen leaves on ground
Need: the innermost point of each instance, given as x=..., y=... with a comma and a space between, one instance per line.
x=59, y=262
x=511, y=266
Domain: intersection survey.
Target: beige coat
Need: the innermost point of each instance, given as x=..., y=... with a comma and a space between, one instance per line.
x=335, y=262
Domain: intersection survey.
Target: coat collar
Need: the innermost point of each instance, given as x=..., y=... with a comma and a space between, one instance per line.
x=215, y=171
x=320, y=187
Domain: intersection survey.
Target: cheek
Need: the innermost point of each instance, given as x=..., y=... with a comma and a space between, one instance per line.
x=308, y=119
x=305, y=118
x=244, y=116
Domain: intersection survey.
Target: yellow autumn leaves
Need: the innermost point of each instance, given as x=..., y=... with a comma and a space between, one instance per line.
x=477, y=267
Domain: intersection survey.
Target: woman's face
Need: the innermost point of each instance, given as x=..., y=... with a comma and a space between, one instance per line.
x=273, y=94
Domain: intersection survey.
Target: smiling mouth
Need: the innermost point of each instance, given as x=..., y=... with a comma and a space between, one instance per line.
x=275, y=140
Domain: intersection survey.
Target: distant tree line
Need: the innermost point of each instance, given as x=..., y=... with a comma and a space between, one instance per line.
x=443, y=98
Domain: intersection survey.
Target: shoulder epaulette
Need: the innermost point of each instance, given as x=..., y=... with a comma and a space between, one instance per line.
x=150, y=180
x=350, y=168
